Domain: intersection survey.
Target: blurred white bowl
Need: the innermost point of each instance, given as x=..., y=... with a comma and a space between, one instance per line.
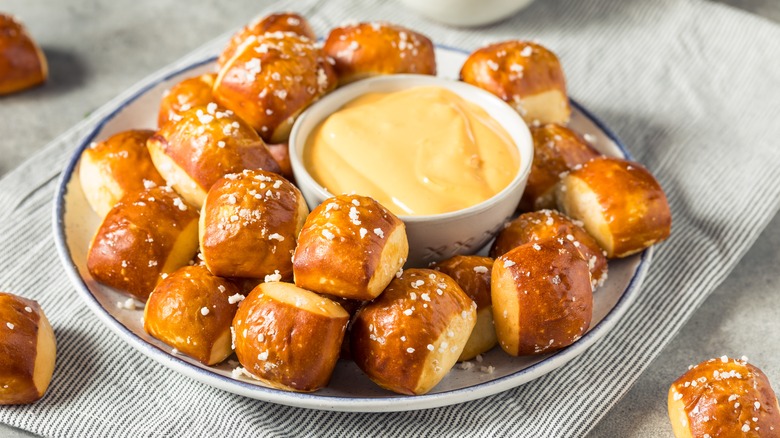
x=466, y=12
x=432, y=237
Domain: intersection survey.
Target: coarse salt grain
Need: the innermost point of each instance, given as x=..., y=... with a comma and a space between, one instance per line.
x=233, y=299
x=430, y=347
x=480, y=269
x=508, y=263
x=271, y=278
x=328, y=234
x=10, y=326
x=276, y=236
x=363, y=232
x=204, y=311
x=263, y=355
x=28, y=309
x=410, y=350
x=379, y=232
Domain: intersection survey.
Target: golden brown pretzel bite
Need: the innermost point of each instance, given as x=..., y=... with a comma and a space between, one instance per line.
x=118, y=165
x=270, y=79
x=723, y=398
x=281, y=22
x=408, y=338
x=550, y=224
x=350, y=247
x=524, y=74
x=621, y=203
x=249, y=225
x=542, y=297
x=281, y=153
x=472, y=273
x=195, y=91
x=557, y=150
x=22, y=63
x=369, y=49
x=145, y=235
x=288, y=337
x=192, y=310
x=208, y=143
x=27, y=350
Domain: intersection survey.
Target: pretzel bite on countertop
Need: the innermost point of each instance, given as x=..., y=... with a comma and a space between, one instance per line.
x=370, y=49
x=557, y=150
x=146, y=234
x=287, y=337
x=550, y=224
x=723, y=398
x=27, y=350
x=271, y=79
x=249, y=225
x=118, y=165
x=351, y=247
x=472, y=273
x=22, y=63
x=191, y=92
x=542, y=297
x=280, y=22
x=192, y=311
x=408, y=338
x=526, y=75
x=621, y=204
x=207, y=143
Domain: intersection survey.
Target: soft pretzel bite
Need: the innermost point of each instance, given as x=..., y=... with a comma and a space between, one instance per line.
x=118, y=165
x=280, y=22
x=621, y=204
x=408, y=338
x=27, y=350
x=288, y=337
x=526, y=75
x=271, y=79
x=191, y=92
x=550, y=224
x=192, y=311
x=369, y=49
x=249, y=225
x=723, y=398
x=542, y=297
x=281, y=153
x=350, y=247
x=557, y=150
x=22, y=63
x=207, y=143
x=146, y=234
x=472, y=273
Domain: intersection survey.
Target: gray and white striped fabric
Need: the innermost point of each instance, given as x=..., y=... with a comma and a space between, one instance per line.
x=694, y=90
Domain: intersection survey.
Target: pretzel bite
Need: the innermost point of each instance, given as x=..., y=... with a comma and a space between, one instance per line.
x=281, y=22
x=271, y=79
x=550, y=224
x=621, y=204
x=350, y=247
x=145, y=235
x=542, y=297
x=557, y=150
x=409, y=338
x=370, y=49
x=288, y=337
x=281, y=153
x=121, y=164
x=249, y=225
x=192, y=311
x=472, y=273
x=22, y=63
x=526, y=75
x=195, y=91
x=208, y=143
x=723, y=398
x=27, y=350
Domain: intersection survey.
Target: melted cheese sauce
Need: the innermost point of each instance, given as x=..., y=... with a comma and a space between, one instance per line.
x=420, y=151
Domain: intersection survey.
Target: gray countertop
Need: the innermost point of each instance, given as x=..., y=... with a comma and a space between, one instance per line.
x=97, y=48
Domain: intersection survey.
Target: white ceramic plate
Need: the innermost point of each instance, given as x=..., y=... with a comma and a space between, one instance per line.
x=349, y=390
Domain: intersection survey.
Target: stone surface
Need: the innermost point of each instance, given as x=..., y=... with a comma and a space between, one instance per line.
x=97, y=48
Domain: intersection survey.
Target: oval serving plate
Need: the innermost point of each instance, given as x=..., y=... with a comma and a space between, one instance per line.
x=349, y=390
